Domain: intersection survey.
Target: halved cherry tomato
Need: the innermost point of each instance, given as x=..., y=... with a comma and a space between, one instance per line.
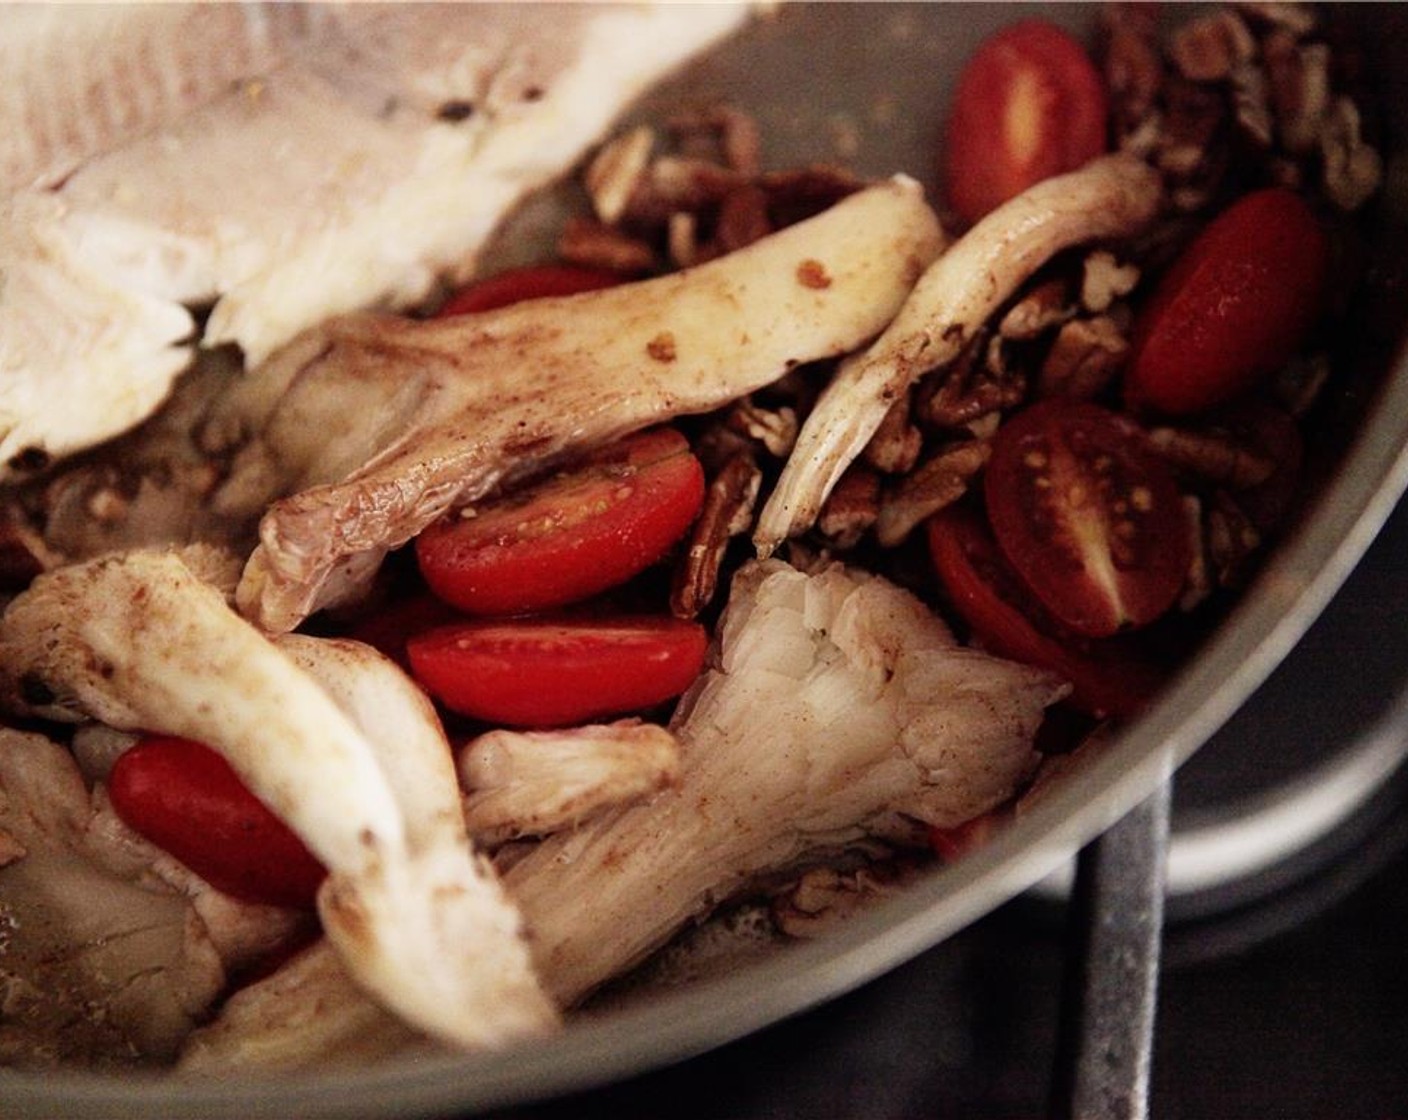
x=1091, y=521
x=1029, y=105
x=575, y=534
x=529, y=282
x=1106, y=680
x=1233, y=308
x=185, y=799
x=557, y=672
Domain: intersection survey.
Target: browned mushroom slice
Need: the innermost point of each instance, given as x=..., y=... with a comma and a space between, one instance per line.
x=835, y=699
x=334, y=738
x=1110, y=197
x=456, y=406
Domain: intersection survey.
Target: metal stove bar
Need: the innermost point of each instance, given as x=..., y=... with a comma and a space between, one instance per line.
x=1107, y=1032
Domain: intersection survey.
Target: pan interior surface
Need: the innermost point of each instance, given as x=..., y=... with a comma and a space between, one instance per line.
x=871, y=82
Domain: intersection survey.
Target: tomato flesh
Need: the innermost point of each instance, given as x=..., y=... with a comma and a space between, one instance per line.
x=1105, y=680
x=529, y=282
x=1234, y=308
x=557, y=672
x=1091, y=521
x=187, y=800
x=1029, y=104
x=573, y=535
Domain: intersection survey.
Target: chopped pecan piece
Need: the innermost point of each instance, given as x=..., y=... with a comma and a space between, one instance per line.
x=724, y=132
x=1134, y=70
x=682, y=240
x=801, y=192
x=675, y=183
x=852, y=507
x=975, y=385
x=1298, y=85
x=1353, y=169
x=1197, y=585
x=1046, y=305
x=1251, y=105
x=1084, y=359
x=1289, y=15
x=588, y=242
x=727, y=512
x=774, y=428
x=612, y=177
x=1231, y=540
x=1210, y=48
x=895, y=446
x=933, y=485
x=1190, y=125
x=743, y=218
x=1104, y=280
x=1212, y=455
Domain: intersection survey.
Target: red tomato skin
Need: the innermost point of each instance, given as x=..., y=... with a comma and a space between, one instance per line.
x=1090, y=520
x=536, y=281
x=557, y=672
x=573, y=535
x=187, y=800
x=1029, y=104
x=1233, y=308
x=1105, y=681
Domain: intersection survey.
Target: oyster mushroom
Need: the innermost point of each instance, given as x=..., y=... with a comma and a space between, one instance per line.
x=384, y=424
x=140, y=641
x=1111, y=197
x=834, y=700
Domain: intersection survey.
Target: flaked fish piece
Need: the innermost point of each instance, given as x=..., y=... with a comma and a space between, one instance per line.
x=139, y=641
x=81, y=79
x=834, y=699
x=1111, y=197
x=390, y=423
x=529, y=783
x=95, y=964
x=374, y=160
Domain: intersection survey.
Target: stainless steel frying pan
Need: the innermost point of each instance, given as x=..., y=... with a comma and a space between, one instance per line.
x=878, y=76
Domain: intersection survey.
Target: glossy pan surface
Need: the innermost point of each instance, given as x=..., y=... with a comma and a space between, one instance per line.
x=873, y=79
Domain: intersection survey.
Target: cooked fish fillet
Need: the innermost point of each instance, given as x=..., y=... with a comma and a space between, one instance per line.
x=383, y=424
x=377, y=157
x=140, y=642
x=834, y=698
x=81, y=79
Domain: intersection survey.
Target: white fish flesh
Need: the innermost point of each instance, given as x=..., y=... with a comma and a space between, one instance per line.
x=81, y=79
x=375, y=159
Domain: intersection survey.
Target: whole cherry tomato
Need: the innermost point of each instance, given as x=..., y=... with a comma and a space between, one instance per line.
x=529, y=282
x=1029, y=105
x=185, y=799
x=1089, y=519
x=1106, y=679
x=556, y=672
x=573, y=535
x=1233, y=308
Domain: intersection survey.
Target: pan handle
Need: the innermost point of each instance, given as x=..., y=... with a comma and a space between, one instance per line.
x=1111, y=981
